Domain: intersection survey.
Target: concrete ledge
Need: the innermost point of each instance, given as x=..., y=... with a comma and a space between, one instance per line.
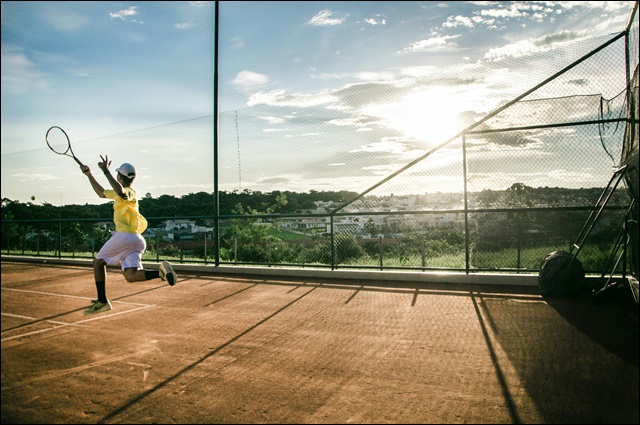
x=480, y=278
x=393, y=275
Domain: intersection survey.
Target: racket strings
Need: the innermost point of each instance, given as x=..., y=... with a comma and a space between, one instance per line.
x=58, y=141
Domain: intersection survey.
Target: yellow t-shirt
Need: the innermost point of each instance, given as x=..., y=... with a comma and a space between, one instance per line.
x=125, y=211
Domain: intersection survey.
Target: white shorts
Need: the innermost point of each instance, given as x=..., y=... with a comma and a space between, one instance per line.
x=123, y=248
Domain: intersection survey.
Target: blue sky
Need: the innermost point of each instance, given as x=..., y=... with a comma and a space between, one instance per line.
x=103, y=68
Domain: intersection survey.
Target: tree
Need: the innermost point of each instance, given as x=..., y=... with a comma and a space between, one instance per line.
x=519, y=196
x=346, y=249
x=251, y=239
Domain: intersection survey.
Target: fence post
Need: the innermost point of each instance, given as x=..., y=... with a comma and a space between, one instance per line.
x=380, y=245
x=59, y=240
x=205, y=248
x=304, y=246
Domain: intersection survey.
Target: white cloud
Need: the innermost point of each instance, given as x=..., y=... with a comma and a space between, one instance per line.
x=280, y=97
x=513, y=11
x=428, y=44
x=323, y=19
x=249, y=80
x=184, y=26
x=125, y=13
x=376, y=21
x=382, y=170
x=496, y=15
x=27, y=177
x=19, y=74
x=272, y=120
x=459, y=21
x=525, y=47
x=361, y=76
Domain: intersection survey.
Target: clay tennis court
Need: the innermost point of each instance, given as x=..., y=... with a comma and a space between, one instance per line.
x=233, y=348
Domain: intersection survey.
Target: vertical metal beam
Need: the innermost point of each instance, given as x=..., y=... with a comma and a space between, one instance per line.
x=216, y=195
x=466, y=203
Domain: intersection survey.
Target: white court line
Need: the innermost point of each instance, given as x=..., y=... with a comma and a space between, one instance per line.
x=55, y=322
x=143, y=306
x=35, y=332
x=66, y=296
x=63, y=324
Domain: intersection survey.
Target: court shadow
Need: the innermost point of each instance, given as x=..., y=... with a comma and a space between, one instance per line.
x=577, y=361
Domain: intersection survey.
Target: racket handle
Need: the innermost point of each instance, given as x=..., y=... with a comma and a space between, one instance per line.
x=78, y=161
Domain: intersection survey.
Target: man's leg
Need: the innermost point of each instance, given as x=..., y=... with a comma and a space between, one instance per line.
x=132, y=268
x=100, y=275
x=133, y=274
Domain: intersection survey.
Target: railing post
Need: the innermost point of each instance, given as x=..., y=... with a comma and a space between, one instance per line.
x=304, y=246
x=333, y=248
x=205, y=248
x=59, y=239
x=465, y=179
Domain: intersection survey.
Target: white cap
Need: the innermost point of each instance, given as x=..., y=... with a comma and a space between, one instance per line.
x=127, y=170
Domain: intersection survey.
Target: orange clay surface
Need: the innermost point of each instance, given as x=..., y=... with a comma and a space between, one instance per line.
x=248, y=349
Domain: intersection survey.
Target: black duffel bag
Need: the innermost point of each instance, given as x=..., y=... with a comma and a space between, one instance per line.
x=561, y=275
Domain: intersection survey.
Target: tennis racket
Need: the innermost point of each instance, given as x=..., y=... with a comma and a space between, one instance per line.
x=59, y=143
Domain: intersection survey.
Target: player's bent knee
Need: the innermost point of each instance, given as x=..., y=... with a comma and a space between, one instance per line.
x=130, y=275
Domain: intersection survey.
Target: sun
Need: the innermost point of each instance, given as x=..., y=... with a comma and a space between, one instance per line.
x=430, y=116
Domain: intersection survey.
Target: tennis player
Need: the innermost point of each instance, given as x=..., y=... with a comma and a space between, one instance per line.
x=126, y=244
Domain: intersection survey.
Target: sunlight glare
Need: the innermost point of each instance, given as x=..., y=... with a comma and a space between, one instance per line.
x=431, y=116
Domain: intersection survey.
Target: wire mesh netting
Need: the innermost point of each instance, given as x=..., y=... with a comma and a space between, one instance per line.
x=432, y=178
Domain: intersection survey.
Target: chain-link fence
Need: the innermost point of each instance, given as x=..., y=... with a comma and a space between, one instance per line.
x=495, y=190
